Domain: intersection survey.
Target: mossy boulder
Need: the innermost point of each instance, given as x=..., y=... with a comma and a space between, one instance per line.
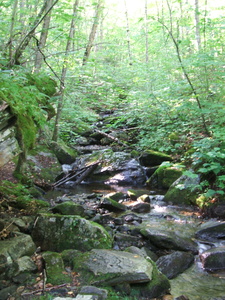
x=213, y=259
x=183, y=191
x=43, y=166
x=119, y=269
x=69, y=208
x=152, y=158
x=164, y=176
x=54, y=232
x=55, y=269
x=135, y=194
x=64, y=154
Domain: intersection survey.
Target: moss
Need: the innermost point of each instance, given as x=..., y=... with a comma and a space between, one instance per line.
x=44, y=83
x=153, y=158
x=164, y=176
x=55, y=269
x=28, y=130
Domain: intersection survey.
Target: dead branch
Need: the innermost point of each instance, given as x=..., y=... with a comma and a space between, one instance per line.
x=111, y=137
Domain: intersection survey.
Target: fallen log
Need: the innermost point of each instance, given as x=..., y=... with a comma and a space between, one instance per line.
x=113, y=138
x=79, y=175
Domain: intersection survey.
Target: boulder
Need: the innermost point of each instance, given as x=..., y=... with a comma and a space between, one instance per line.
x=152, y=158
x=112, y=205
x=69, y=208
x=183, y=191
x=53, y=232
x=164, y=177
x=135, y=194
x=140, y=207
x=117, y=168
x=64, y=154
x=13, y=249
x=123, y=241
x=211, y=231
x=55, y=269
x=175, y=263
x=110, y=268
x=213, y=259
x=43, y=166
x=169, y=240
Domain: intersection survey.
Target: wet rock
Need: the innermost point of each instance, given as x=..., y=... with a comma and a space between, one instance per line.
x=175, y=263
x=110, y=268
x=211, y=231
x=169, y=240
x=141, y=207
x=213, y=259
x=112, y=205
x=135, y=194
x=57, y=233
x=69, y=208
x=131, y=218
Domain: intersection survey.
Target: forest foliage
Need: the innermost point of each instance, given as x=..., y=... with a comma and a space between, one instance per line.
x=161, y=68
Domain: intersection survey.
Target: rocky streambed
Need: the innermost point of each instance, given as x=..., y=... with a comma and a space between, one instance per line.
x=105, y=239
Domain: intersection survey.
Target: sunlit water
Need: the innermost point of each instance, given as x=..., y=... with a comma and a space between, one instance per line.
x=194, y=283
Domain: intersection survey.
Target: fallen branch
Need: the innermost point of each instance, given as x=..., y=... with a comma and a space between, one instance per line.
x=41, y=290
x=80, y=174
x=111, y=137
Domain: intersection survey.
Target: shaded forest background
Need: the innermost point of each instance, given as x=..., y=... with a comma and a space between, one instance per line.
x=159, y=65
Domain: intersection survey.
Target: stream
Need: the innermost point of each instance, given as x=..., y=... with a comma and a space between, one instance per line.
x=194, y=283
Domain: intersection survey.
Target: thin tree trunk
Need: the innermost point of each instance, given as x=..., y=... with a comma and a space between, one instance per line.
x=91, y=39
x=64, y=71
x=146, y=32
x=197, y=26
x=43, y=38
x=14, y=11
x=128, y=34
x=25, y=41
x=176, y=44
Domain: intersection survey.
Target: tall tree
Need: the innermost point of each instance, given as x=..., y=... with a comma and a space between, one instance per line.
x=98, y=11
x=69, y=46
x=43, y=37
x=146, y=32
x=26, y=39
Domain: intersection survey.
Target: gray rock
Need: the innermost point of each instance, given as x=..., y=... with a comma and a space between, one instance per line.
x=9, y=147
x=12, y=249
x=58, y=233
x=100, y=294
x=169, y=240
x=213, y=259
x=110, y=267
x=212, y=231
x=175, y=263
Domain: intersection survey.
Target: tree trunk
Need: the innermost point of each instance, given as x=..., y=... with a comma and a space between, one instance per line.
x=69, y=45
x=197, y=26
x=128, y=34
x=26, y=39
x=91, y=39
x=43, y=38
x=14, y=12
x=146, y=32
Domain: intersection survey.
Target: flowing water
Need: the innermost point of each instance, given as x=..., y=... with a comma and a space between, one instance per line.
x=194, y=283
